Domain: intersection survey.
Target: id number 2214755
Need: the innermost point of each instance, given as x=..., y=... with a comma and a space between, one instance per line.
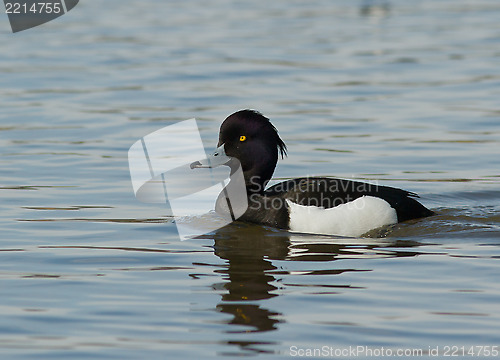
x=35, y=8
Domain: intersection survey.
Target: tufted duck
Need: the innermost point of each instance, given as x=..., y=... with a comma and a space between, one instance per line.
x=311, y=204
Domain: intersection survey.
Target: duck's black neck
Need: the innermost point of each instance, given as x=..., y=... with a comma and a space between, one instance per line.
x=256, y=179
x=255, y=184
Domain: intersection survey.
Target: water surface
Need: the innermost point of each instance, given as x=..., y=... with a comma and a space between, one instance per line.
x=399, y=93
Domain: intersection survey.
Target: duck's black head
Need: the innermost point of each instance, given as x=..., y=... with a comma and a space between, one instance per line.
x=249, y=136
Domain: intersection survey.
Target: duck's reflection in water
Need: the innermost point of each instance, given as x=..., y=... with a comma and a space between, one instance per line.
x=248, y=275
x=252, y=274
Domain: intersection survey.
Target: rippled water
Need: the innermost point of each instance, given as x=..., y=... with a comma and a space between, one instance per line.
x=402, y=93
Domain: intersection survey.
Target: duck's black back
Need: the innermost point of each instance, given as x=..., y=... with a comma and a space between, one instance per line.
x=327, y=193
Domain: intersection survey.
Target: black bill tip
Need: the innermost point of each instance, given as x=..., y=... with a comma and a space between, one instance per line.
x=195, y=165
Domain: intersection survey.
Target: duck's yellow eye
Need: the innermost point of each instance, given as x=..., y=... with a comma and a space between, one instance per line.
x=243, y=138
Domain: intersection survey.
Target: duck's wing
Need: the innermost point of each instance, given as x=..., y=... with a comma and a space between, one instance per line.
x=331, y=192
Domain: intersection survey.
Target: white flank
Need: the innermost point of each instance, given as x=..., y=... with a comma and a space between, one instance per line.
x=351, y=219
